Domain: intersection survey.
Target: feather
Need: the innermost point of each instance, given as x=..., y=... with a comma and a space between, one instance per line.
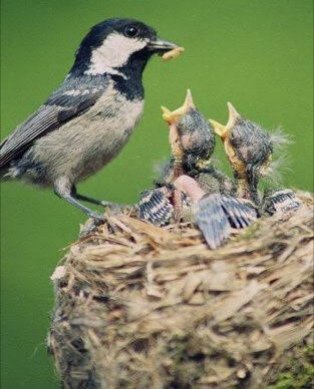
x=241, y=213
x=280, y=139
x=70, y=100
x=281, y=201
x=215, y=214
x=211, y=220
x=155, y=206
x=281, y=162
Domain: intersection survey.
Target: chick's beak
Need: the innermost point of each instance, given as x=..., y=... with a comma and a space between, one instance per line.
x=224, y=131
x=234, y=116
x=219, y=129
x=174, y=116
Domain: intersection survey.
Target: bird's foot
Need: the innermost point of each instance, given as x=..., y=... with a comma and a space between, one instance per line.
x=89, y=227
x=113, y=207
x=96, y=219
x=105, y=203
x=96, y=216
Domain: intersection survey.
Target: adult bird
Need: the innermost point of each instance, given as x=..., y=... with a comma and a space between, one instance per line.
x=85, y=123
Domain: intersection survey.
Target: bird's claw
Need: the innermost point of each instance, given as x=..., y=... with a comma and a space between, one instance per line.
x=91, y=225
x=105, y=203
x=113, y=207
x=96, y=216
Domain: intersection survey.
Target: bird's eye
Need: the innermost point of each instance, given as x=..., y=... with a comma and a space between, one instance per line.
x=131, y=31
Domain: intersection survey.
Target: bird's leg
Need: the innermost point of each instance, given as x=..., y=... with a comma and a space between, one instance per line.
x=88, y=199
x=63, y=189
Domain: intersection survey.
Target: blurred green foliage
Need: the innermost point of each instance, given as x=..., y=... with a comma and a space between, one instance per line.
x=298, y=372
x=257, y=54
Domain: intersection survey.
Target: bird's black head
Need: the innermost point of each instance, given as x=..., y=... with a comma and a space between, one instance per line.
x=118, y=47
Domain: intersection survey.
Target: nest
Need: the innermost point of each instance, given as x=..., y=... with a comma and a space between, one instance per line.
x=139, y=306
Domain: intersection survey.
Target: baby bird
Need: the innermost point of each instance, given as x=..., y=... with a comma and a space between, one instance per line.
x=249, y=149
x=190, y=182
x=191, y=139
x=192, y=142
x=86, y=122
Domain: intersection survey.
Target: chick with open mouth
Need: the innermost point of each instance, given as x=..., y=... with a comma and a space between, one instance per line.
x=249, y=149
x=191, y=188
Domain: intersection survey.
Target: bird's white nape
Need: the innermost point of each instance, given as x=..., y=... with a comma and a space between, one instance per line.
x=113, y=53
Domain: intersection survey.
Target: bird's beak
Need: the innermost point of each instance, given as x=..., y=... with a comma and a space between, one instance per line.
x=221, y=130
x=160, y=46
x=166, y=114
x=233, y=116
x=174, y=116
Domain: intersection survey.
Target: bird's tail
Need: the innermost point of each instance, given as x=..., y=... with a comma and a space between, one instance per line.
x=3, y=167
x=6, y=172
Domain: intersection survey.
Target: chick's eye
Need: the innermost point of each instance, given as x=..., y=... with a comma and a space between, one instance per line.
x=131, y=31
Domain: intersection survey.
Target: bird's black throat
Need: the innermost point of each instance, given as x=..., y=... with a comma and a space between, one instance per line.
x=130, y=83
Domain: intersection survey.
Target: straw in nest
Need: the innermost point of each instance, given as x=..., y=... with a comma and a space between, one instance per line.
x=140, y=306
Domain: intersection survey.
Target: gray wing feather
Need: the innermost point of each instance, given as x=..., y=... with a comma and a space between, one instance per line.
x=216, y=214
x=43, y=120
x=58, y=109
x=240, y=213
x=212, y=221
x=155, y=206
x=283, y=200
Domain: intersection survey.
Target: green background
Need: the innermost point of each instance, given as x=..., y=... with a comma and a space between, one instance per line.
x=255, y=53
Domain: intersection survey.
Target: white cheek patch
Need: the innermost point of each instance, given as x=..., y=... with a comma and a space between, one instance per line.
x=114, y=53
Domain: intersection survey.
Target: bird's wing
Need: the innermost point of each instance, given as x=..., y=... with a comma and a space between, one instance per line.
x=241, y=213
x=211, y=220
x=70, y=100
x=283, y=200
x=155, y=207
